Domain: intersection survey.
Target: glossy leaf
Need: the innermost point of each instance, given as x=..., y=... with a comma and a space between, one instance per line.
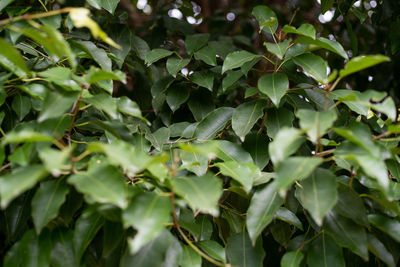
x=147, y=213
x=292, y=259
x=304, y=29
x=196, y=41
x=201, y=193
x=87, y=226
x=264, y=203
x=174, y=65
x=315, y=123
x=104, y=183
x=245, y=116
x=286, y=142
x=213, y=123
x=237, y=59
x=241, y=252
x=47, y=201
x=389, y=226
x=207, y=54
x=278, y=119
x=204, y=79
x=257, y=145
x=213, y=249
x=278, y=49
x=362, y=62
x=56, y=104
x=347, y=234
x=266, y=18
x=295, y=168
x=190, y=258
x=325, y=43
x=274, y=86
x=314, y=65
x=325, y=252
x=244, y=173
x=318, y=194
x=380, y=251
x=156, y=54
x=12, y=60
x=21, y=105
x=20, y=180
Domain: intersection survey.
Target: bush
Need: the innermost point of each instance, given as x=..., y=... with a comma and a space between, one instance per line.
x=138, y=140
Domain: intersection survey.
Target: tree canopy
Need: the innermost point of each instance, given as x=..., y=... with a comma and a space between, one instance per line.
x=199, y=133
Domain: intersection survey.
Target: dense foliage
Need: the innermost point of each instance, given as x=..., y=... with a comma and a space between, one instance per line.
x=247, y=137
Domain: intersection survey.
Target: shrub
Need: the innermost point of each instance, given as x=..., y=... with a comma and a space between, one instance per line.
x=156, y=144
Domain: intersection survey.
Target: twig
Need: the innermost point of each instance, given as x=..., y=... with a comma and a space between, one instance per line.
x=381, y=135
x=37, y=51
x=5, y=166
x=35, y=16
x=187, y=240
x=323, y=153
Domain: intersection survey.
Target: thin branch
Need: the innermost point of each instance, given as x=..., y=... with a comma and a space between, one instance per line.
x=326, y=152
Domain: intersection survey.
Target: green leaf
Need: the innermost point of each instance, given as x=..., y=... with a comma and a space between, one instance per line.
x=278, y=49
x=98, y=54
x=350, y=205
x=228, y=151
x=105, y=103
x=292, y=259
x=86, y=228
x=323, y=251
x=242, y=253
x=201, y=193
x=153, y=254
x=12, y=60
x=95, y=75
x=147, y=213
x=158, y=138
x=286, y=215
x=124, y=154
x=230, y=79
x=5, y=3
x=213, y=249
x=25, y=135
x=61, y=76
x=386, y=225
x=347, y=234
x=109, y=5
x=30, y=250
x=123, y=37
x=213, y=123
x=103, y=183
x=264, y=203
x=18, y=181
x=246, y=115
x=189, y=257
x=56, y=104
x=196, y=41
x=201, y=103
x=278, y=119
x=177, y=95
x=128, y=107
x=362, y=62
x=380, y=251
x=274, y=86
x=21, y=105
x=140, y=47
x=266, y=18
x=315, y=123
x=156, y=54
x=63, y=254
x=318, y=193
x=314, y=65
x=326, y=5
x=237, y=59
x=286, y=142
x=47, y=201
x=257, y=145
x=325, y=43
x=207, y=54
x=54, y=159
x=244, y=173
x=305, y=29
x=203, y=78
x=175, y=64
x=295, y=168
